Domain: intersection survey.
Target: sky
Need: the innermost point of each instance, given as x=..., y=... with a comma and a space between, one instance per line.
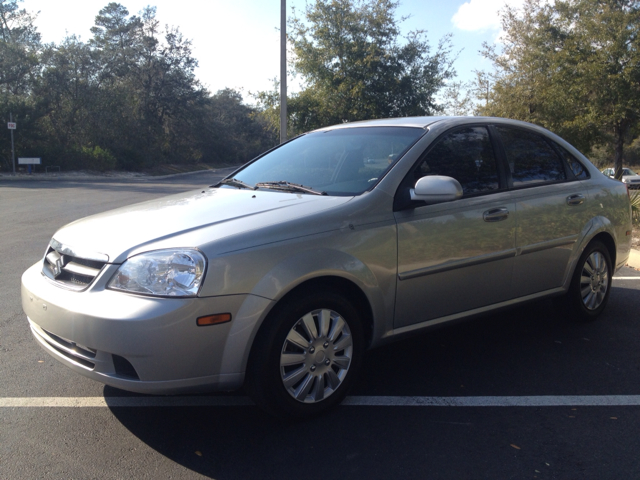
x=237, y=42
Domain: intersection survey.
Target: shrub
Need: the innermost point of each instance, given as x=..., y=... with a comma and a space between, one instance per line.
x=635, y=206
x=97, y=158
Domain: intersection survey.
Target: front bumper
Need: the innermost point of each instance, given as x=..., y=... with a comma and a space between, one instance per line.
x=142, y=344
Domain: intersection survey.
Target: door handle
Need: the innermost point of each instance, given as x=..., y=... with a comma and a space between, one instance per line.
x=577, y=199
x=495, y=214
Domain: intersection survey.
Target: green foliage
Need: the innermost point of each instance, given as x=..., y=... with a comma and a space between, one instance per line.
x=128, y=98
x=97, y=158
x=572, y=66
x=635, y=206
x=235, y=132
x=355, y=65
x=457, y=99
x=19, y=42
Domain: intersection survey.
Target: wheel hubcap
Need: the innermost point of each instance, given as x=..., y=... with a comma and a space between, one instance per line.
x=594, y=281
x=316, y=356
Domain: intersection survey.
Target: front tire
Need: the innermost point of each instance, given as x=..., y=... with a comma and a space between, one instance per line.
x=591, y=284
x=306, y=356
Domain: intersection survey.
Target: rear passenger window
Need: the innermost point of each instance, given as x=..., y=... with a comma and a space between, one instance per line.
x=531, y=159
x=465, y=154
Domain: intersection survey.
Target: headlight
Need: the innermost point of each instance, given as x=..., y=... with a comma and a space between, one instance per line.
x=171, y=273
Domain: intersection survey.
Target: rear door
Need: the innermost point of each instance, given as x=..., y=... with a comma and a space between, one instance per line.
x=551, y=208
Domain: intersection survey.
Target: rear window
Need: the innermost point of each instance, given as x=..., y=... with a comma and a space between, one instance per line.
x=580, y=172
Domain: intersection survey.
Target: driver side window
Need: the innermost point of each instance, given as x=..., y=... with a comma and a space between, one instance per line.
x=465, y=154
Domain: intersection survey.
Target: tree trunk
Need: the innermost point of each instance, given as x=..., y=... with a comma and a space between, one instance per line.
x=619, y=132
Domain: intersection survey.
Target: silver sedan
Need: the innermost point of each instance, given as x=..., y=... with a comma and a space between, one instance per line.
x=280, y=276
x=630, y=178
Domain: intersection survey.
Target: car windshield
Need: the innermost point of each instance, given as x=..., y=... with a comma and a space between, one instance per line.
x=345, y=161
x=628, y=171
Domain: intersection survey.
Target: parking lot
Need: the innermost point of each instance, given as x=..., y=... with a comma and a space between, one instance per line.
x=520, y=394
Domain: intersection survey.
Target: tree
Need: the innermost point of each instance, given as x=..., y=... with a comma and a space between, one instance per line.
x=117, y=37
x=233, y=132
x=19, y=46
x=66, y=91
x=572, y=66
x=355, y=65
x=127, y=98
x=19, y=62
x=457, y=99
x=149, y=93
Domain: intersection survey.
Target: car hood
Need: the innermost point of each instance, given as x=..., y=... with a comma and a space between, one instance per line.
x=117, y=232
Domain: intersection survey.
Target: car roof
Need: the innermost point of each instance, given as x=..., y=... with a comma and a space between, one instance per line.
x=421, y=122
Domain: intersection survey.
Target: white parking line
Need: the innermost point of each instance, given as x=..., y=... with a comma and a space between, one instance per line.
x=124, y=402
x=512, y=401
x=626, y=278
x=359, y=401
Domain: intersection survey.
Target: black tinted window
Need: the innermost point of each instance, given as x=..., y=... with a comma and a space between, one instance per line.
x=531, y=159
x=466, y=155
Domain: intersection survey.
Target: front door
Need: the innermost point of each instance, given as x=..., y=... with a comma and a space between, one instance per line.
x=455, y=256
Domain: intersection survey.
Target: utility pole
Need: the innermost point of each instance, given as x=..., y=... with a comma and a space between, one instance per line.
x=13, y=152
x=283, y=71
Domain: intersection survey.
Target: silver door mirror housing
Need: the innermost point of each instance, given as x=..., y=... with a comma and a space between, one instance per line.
x=436, y=189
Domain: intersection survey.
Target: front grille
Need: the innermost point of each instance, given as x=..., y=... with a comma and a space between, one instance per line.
x=76, y=348
x=75, y=358
x=64, y=267
x=104, y=363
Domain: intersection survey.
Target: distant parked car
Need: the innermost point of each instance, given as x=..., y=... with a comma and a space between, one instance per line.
x=629, y=177
x=282, y=274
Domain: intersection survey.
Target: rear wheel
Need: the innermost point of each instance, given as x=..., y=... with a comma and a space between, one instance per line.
x=306, y=356
x=591, y=283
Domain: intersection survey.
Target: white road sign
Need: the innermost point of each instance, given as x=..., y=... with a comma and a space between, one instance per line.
x=11, y=125
x=29, y=161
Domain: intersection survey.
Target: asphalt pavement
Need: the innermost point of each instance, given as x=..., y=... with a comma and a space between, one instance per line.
x=499, y=397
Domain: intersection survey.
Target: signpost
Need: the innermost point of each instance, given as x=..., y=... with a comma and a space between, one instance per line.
x=283, y=71
x=12, y=126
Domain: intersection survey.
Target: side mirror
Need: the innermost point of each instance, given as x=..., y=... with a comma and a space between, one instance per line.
x=436, y=189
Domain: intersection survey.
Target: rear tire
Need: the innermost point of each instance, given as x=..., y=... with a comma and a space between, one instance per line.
x=306, y=356
x=591, y=283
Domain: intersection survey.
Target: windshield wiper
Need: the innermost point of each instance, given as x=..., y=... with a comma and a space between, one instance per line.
x=288, y=187
x=236, y=183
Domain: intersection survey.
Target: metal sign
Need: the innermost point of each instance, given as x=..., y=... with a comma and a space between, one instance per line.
x=11, y=125
x=29, y=161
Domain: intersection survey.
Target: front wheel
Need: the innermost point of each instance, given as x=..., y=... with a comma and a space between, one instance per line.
x=591, y=283
x=306, y=356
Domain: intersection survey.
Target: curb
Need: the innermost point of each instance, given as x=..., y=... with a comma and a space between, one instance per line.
x=135, y=178
x=222, y=171
x=634, y=259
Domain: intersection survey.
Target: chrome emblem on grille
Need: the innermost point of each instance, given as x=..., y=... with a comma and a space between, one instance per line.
x=57, y=268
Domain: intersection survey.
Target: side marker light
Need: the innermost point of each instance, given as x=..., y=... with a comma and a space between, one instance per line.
x=213, y=319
